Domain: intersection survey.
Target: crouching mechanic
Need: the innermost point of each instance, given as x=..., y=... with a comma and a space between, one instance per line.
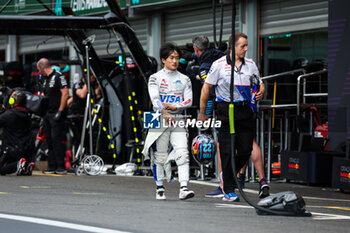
x=17, y=141
x=170, y=93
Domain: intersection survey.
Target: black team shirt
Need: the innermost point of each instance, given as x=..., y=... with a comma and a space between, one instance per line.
x=52, y=89
x=78, y=104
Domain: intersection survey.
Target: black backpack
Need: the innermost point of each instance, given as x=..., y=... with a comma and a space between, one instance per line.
x=36, y=104
x=288, y=203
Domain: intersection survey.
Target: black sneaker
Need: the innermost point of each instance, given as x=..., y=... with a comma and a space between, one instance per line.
x=49, y=171
x=264, y=189
x=241, y=180
x=61, y=171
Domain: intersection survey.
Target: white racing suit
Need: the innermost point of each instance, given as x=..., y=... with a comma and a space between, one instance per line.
x=174, y=88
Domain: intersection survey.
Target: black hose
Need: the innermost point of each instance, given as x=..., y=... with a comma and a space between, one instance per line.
x=221, y=22
x=231, y=106
x=214, y=23
x=233, y=163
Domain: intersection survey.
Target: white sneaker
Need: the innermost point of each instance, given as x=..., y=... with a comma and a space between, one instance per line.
x=185, y=193
x=160, y=194
x=21, y=167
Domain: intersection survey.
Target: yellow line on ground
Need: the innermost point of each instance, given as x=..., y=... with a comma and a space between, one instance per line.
x=4, y=193
x=42, y=174
x=35, y=187
x=337, y=208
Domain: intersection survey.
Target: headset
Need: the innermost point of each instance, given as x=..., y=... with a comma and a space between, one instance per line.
x=13, y=99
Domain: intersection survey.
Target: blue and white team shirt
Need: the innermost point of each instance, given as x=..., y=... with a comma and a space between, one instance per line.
x=220, y=76
x=170, y=87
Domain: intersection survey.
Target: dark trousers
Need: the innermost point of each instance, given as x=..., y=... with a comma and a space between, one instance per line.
x=77, y=126
x=11, y=156
x=244, y=128
x=55, y=132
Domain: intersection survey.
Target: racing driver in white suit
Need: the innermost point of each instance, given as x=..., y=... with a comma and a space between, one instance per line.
x=170, y=93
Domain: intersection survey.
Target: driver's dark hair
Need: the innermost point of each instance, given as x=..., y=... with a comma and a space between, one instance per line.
x=20, y=98
x=167, y=49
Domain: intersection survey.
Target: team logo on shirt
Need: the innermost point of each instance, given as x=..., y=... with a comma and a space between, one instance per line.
x=52, y=81
x=178, y=85
x=63, y=81
x=163, y=83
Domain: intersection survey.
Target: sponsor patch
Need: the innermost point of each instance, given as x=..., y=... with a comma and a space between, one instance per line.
x=52, y=81
x=170, y=99
x=163, y=83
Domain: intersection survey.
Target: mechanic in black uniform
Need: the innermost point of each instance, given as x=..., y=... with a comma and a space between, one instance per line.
x=17, y=141
x=55, y=87
x=77, y=104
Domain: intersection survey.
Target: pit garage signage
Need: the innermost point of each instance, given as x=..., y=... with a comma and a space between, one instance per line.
x=86, y=7
x=79, y=7
x=149, y=2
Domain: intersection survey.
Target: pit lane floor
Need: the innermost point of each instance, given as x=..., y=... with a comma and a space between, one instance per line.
x=47, y=203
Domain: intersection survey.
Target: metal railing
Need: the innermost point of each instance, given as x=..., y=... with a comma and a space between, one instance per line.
x=304, y=77
x=292, y=106
x=274, y=76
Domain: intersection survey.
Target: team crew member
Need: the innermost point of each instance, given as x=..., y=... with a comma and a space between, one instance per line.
x=206, y=57
x=17, y=141
x=220, y=77
x=171, y=93
x=55, y=87
x=80, y=90
x=77, y=104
